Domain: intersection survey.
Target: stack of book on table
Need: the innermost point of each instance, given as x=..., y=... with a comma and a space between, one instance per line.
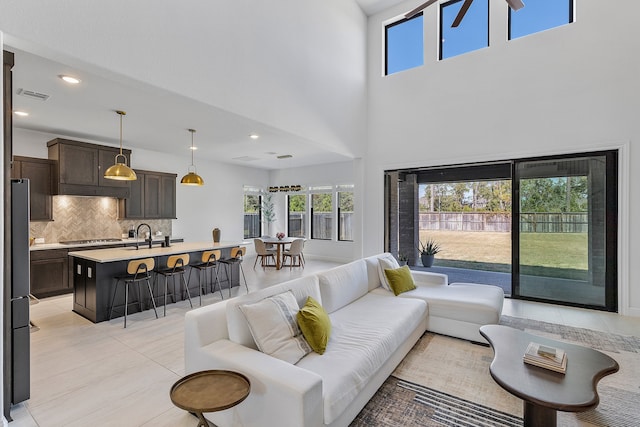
x=551, y=358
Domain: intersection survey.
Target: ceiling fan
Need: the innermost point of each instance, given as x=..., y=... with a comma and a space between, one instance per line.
x=513, y=4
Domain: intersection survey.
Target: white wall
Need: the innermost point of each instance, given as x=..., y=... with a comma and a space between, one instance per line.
x=297, y=66
x=572, y=88
x=218, y=203
x=320, y=175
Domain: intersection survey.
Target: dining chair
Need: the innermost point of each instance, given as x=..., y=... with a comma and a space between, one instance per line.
x=263, y=253
x=294, y=252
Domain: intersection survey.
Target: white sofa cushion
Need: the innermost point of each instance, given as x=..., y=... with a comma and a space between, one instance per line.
x=372, y=271
x=274, y=327
x=364, y=335
x=473, y=303
x=386, y=262
x=237, y=325
x=342, y=285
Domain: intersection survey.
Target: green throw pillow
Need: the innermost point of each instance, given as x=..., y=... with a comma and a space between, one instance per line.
x=400, y=280
x=315, y=325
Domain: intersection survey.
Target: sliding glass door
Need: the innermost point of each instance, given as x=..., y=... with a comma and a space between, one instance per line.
x=566, y=217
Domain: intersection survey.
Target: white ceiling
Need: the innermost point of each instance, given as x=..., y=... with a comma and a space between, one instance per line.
x=371, y=7
x=156, y=120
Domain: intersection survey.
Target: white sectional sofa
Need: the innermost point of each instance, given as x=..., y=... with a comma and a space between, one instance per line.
x=372, y=331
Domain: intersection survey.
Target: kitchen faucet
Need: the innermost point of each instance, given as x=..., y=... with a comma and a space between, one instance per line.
x=150, y=239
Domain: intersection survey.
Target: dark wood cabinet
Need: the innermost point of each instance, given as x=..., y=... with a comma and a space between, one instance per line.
x=84, y=284
x=81, y=168
x=40, y=173
x=49, y=272
x=152, y=196
x=168, y=196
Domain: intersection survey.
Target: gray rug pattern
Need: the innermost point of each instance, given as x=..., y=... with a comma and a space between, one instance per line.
x=400, y=402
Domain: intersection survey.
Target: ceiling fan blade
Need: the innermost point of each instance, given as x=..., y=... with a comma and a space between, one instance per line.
x=419, y=9
x=515, y=4
x=463, y=11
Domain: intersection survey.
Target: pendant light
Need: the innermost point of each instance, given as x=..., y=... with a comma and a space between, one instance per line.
x=120, y=171
x=192, y=178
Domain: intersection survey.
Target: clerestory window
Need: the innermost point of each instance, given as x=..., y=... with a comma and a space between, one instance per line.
x=539, y=15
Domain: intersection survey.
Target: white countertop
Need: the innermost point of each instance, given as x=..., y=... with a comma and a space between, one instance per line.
x=125, y=254
x=45, y=246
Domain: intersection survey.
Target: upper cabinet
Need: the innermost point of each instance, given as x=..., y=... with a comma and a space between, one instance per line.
x=81, y=168
x=153, y=196
x=40, y=173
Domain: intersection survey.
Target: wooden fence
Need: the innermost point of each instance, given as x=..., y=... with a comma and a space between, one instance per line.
x=547, y=222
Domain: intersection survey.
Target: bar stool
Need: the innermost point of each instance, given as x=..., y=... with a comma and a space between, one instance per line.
x=138, y=270
x=176, y=265
x=235, y=257
x=208, y=261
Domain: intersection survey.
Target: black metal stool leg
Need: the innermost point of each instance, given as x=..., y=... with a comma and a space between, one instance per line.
x=113, y=299
x=153, y=301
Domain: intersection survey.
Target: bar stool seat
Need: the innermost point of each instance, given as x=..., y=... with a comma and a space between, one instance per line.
x=176, y=266
x=235, y=258
x=138, y=271
x=209, y=261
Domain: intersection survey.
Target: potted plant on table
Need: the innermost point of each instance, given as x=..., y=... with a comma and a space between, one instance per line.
x=428, y=251
x=402, y=259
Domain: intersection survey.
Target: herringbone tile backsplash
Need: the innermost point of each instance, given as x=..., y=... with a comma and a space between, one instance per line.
x=77, y=218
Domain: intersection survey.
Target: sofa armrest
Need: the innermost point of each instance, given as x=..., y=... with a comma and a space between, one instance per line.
x=205, y=325
x=425, y=278
x=281, y=394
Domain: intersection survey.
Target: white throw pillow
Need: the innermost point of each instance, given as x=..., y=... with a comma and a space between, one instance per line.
x=386, y=261
x=274, y=328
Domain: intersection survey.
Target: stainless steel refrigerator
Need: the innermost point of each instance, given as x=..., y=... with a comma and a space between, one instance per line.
x=19, y=354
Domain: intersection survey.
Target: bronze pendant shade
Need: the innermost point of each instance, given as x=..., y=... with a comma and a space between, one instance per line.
x=120, y=171
x=192, y=178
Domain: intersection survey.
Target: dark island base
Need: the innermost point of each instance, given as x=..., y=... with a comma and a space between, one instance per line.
x=94, y=283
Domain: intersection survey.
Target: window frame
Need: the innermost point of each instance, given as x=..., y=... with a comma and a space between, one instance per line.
x=317, y=191
x=304, y=219
x=442, y=27
x=255, y=193
x=343, y=189
x=572, y=8
x=386, y=42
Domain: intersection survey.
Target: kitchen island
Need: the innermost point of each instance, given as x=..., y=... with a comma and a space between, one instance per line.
x=94, y=272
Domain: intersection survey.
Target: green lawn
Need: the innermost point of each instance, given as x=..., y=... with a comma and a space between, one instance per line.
x=492, y=250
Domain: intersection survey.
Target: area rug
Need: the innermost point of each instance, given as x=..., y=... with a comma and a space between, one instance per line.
x=445, y=381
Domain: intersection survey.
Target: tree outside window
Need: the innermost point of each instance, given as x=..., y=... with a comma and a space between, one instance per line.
x=345, y=215
x=322, y=216
x=297, y=215
x=252, y=228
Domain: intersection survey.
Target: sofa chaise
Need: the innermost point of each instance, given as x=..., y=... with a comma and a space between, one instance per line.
x=371, y=332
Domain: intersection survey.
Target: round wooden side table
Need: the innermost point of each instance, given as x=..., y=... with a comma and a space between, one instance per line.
x=209, y=391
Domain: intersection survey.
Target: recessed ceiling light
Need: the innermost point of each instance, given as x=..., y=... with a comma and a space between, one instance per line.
x=194, y=148
x=70, y=79
x=254, y=136
x=285, y=156
x=21, y=113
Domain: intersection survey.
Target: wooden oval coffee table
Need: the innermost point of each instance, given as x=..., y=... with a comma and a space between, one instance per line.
x=543, y=391
x=209, y=391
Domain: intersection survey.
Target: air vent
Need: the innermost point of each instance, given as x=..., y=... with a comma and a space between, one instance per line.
x=246, y=158
x=285, y=156
x=33, y=94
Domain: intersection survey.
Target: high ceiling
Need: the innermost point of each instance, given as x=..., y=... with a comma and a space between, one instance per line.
x=371, y=7
x=156, y=120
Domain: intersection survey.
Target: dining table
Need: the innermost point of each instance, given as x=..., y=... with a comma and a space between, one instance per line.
x=279, y=247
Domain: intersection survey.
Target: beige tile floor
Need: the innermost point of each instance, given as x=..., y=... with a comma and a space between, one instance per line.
x=85, y=374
